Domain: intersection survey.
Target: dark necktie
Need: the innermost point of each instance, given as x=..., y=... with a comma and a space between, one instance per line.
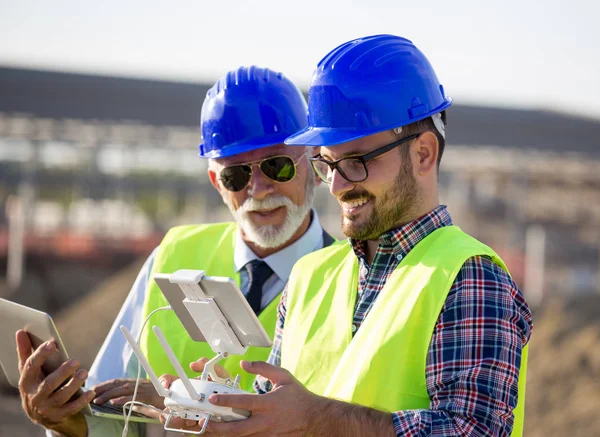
x=258, y=273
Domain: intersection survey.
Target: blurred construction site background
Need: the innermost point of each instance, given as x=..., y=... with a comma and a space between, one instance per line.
x=94, y=170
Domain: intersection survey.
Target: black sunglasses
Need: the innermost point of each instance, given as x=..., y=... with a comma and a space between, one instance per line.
x=280, y=169
x=352, y=168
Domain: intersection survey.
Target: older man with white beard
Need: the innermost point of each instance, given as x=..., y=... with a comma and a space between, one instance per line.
x=252, y=215
x=269, y=188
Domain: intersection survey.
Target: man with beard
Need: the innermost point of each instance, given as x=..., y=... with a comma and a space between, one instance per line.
x=411, y=328
x=269, y=188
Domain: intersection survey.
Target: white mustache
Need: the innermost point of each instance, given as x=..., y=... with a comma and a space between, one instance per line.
x=271, y=202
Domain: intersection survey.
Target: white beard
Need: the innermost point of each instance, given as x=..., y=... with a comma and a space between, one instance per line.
x=272, y=236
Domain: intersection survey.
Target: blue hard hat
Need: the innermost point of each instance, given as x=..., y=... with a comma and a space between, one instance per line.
x=250, y=108
x=369, y=85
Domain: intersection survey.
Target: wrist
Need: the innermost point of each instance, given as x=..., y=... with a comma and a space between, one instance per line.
x=74, y=426
x=331, y=417
x=317, y=412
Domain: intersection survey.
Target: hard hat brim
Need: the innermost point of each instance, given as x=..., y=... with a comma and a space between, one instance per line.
x=244, y=146
x=320, y=136
x=327, y=137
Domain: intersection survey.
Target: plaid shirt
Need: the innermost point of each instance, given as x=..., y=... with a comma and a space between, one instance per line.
x=474, y=357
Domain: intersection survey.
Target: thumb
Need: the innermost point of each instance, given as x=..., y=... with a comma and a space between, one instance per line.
x=23, y=347
x=198, y=365
x=277, y=375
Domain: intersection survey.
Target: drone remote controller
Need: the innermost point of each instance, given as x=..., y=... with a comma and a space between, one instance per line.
x=188, y=398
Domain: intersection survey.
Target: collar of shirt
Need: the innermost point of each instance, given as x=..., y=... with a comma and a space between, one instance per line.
x=401, y=240
x=281, y=262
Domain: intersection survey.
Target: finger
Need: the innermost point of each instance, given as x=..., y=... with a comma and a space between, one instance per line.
x=76, y=405
x=198, y=426
x=146, y=411
x=198, y=365
x=164, y=415
x=123, y=390
x=57, y=378
x=108, y=385
x=121, y=395
x=166, y=380
x=32, y=369
x=191, y=425
x=24, y=347
x=122, y=400
x=221, y=372
x=145, y=393
x=277, y=375
x=66, y=392
x=155, y=401
x=250, y=402
x=177, y=422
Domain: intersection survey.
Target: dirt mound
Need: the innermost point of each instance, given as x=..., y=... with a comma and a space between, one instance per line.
x=563, y=381
x=85, y=324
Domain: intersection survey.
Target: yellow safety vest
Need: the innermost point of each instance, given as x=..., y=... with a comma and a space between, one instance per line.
x=383, y=365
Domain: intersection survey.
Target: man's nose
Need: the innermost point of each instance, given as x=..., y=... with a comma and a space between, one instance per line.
x=260, y=186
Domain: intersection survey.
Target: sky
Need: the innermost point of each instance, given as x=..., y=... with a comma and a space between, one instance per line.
x=529, y=54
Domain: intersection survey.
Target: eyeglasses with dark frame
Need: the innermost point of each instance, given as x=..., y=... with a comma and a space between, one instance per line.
x=352, y=168
x=280, y=169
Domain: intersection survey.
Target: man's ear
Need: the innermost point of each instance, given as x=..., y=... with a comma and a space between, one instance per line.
x=427, y=150
x=212, y=175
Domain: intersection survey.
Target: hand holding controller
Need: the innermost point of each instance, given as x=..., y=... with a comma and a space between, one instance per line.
x=188, y=398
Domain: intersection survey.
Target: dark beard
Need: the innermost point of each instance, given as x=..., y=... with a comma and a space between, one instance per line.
x=391, y=210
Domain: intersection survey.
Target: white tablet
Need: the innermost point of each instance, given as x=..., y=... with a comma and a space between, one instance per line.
x=228, y=297
x=41, y=328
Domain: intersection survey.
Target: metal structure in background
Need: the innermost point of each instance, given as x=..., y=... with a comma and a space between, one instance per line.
x=95, y=167
x=91, y=192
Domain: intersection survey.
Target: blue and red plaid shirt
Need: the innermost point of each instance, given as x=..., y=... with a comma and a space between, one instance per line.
x=474, y=357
